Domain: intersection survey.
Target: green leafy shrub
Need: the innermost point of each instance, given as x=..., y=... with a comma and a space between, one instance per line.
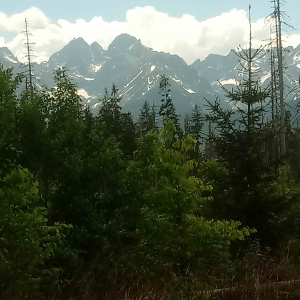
x=26, y=240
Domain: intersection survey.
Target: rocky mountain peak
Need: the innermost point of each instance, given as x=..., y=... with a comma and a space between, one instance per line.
x=8, y=56
x=136, y=70
x=96, y=47
x=79, y=42
x=124, y=43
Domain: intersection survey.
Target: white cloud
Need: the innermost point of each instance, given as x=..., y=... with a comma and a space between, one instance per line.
x=15, y=22
x=293, y=40
x=185, y=36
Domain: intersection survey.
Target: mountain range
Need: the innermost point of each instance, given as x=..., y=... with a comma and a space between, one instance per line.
x=136, y=69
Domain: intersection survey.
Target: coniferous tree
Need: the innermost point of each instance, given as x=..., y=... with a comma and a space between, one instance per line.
x=209, y=149
x=187, y=125
x=110, y=111
x=109, y=108
x=8, y=105
x=165, y=208
x=128, y=135
x=196, y=125
x=26, y=239
x=147, y=120
x=118, y=124
x=167, y=109
x=238, y=142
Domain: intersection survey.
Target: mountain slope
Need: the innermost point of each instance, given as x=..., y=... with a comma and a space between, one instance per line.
x=136, y=69
x=226, y=70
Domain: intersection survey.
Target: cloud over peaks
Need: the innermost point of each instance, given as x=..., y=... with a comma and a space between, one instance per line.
x=185, y=36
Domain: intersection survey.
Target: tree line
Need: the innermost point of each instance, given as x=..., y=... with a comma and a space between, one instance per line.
x=97, y=205
x=100, y=206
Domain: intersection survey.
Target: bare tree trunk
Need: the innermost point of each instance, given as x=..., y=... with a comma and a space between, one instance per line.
x=281, y=87
x=249, y=73
x=27, y=44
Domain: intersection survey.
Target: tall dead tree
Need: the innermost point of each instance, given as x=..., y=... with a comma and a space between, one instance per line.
x=272, y=83
x=250, y=58
x=280, y=73
x=274, y=105
x=29, y=55
x=276, y=19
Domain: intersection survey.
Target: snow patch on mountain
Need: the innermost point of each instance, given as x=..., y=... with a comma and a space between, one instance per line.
x=296, y=58
x=149, y=81
x=190, y=91
x=128, y=90
x=133, y=79
x=229, y=81
x=152, y=68
x=96, y=68
x=176, y=80
x=10, y=59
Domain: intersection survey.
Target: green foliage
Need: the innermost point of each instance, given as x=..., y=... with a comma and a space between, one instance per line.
x=271, y=207
x=8, y=104
x=26, y=240
x=216, y=174
x=110, y=111
x=167, y=109
x=117, y=123
x=145, y=212
x=168, y=225
x=196, y=124
x=284, y=194
x=147, y=120
x=239, y=144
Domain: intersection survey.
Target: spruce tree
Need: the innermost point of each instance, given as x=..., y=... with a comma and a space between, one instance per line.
x=196, y=125
x=238, y=143
x=147, y=120
x=167, y=109
x=118, y=124
x=8, y=105
x=187, y=125
x=110, y=112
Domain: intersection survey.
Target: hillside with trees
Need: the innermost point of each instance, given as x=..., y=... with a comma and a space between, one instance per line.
x=98, y=205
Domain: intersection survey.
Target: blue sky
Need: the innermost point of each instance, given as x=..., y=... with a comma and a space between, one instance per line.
x=50, y=11
x=116, y=9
